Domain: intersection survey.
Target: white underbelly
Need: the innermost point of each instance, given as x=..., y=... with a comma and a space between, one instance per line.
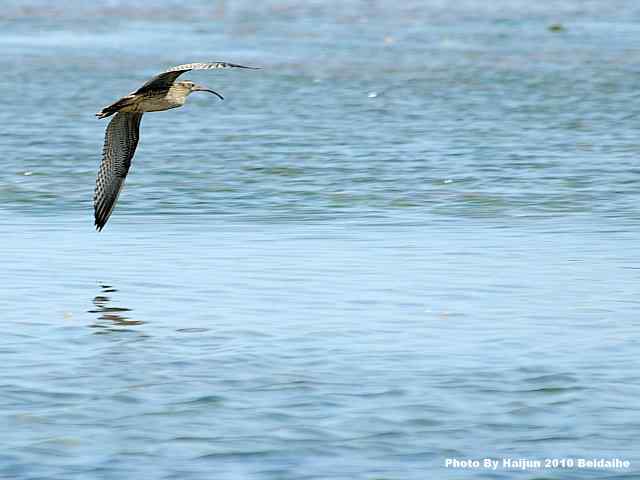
x=157, y=107
x=151, y=105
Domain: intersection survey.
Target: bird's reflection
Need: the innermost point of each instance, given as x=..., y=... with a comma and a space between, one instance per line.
x=110, y=316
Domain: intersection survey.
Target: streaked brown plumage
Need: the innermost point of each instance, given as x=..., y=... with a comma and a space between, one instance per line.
x=162, y=92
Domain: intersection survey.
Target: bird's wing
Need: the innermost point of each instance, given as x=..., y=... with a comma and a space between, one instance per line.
x=120, y=141
x=166, y=79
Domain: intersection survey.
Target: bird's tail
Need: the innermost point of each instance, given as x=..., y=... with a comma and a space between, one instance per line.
x=113, y=108
x=107, y=111
x=104, y=113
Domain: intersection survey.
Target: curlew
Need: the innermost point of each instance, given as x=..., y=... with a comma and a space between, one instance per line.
x=162, y=92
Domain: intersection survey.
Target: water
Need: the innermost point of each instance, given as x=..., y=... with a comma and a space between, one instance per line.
x=412, y=236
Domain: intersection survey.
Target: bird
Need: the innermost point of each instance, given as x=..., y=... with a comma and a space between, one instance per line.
x=161, y=92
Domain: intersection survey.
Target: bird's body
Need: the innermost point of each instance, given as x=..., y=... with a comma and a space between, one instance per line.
x=151, y=101
x=160, y=93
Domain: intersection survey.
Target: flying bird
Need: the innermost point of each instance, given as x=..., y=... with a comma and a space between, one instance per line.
x=162, y=92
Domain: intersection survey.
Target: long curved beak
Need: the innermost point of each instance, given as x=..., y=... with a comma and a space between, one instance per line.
x=200, y=88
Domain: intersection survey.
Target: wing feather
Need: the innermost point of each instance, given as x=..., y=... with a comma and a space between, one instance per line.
x=120, y=142
x=166, y=79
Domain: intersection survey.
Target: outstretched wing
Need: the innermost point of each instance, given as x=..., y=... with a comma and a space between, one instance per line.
x=166, y=79
x=120, y=142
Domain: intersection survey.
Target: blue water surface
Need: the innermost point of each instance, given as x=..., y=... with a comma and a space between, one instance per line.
x=412, y=236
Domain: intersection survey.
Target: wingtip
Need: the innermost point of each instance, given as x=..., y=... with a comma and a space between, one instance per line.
x=244, y=66
x=99, y=223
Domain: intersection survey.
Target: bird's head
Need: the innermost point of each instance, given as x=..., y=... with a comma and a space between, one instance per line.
x=193, y=87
